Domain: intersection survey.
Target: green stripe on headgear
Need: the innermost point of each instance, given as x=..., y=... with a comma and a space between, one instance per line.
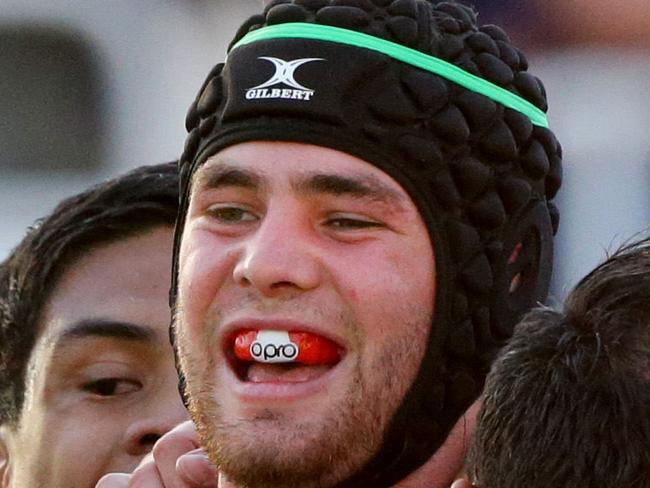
x=299, y=30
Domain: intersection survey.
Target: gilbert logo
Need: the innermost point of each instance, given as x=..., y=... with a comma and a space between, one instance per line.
x=284, y=75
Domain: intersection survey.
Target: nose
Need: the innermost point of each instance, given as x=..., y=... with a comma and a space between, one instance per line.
x=280, y=257
x=159, y=414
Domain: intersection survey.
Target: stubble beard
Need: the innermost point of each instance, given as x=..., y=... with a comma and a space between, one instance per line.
x=272, y=451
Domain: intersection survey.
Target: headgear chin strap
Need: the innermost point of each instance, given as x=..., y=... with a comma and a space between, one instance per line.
x=450, y=113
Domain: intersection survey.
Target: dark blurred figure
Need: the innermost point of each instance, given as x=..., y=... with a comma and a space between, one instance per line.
x=598, y=22
x=553, y=24
x=520, y=18
x=526, y=21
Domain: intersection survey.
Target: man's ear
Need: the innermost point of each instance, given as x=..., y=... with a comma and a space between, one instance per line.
x=5, y=471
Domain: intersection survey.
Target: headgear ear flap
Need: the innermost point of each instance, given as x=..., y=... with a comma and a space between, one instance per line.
x=531, y=269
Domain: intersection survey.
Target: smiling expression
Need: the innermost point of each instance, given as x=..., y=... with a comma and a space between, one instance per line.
x=292, y=237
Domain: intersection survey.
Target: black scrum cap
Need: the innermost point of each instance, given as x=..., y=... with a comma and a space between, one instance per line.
x=449, y=111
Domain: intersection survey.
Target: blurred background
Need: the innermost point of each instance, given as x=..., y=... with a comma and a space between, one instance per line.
x=92, y=88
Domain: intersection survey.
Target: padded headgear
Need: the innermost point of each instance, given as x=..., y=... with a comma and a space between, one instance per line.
x=481, y=174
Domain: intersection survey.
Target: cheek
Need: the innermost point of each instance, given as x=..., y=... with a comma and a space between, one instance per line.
x=205, y=266
x=98, y=443
x=415, y=275
x=386, y=278
x=59, y=439
x=387, y=289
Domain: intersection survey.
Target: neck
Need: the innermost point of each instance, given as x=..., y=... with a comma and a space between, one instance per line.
x=443, y=467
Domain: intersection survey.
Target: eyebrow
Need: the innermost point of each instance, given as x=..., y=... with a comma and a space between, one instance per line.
x=356, y=186
x=362, y=186
x=223, y=176
x=113, y=329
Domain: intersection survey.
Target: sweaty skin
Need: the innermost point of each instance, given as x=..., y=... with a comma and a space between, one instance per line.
x=101, y=386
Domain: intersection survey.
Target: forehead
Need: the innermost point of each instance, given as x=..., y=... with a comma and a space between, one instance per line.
x=127, y=281
x=289, y=163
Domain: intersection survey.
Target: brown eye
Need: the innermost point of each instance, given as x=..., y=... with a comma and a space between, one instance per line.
x=231, y=215
x=351, y=224
x=107, y=387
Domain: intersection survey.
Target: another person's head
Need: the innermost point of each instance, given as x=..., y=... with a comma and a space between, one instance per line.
x=376, y=174
x=87, y=378
x=566, y=403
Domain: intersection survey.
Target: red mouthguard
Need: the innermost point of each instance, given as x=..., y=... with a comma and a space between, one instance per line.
x=276, y=346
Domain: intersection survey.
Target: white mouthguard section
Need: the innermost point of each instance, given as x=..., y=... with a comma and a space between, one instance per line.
x=273, y=346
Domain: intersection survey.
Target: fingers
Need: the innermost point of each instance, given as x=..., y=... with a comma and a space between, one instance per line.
x=176, y=461
x=114, y=480
x=461, y=484
x=146, y=475
x=195, y=469
x=169, y=448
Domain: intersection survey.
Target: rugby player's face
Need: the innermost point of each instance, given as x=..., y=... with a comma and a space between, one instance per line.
x=300, y=238
x=101, y=383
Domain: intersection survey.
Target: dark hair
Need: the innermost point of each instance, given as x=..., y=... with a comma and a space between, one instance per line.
x=566, y=403
x=113, y=210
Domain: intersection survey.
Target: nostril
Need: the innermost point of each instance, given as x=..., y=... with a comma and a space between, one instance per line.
x=281, y=284
x=148, y=440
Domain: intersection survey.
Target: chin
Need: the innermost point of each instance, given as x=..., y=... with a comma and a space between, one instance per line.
x=283, y=458
x=276, y=448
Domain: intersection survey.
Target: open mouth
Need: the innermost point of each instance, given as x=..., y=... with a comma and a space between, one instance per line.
x=273, y=356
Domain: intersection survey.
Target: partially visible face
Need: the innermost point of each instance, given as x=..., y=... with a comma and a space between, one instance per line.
x=300, y=238
x=101, y=383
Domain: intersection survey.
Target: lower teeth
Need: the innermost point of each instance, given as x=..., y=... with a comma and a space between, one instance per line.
x=283, y=373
